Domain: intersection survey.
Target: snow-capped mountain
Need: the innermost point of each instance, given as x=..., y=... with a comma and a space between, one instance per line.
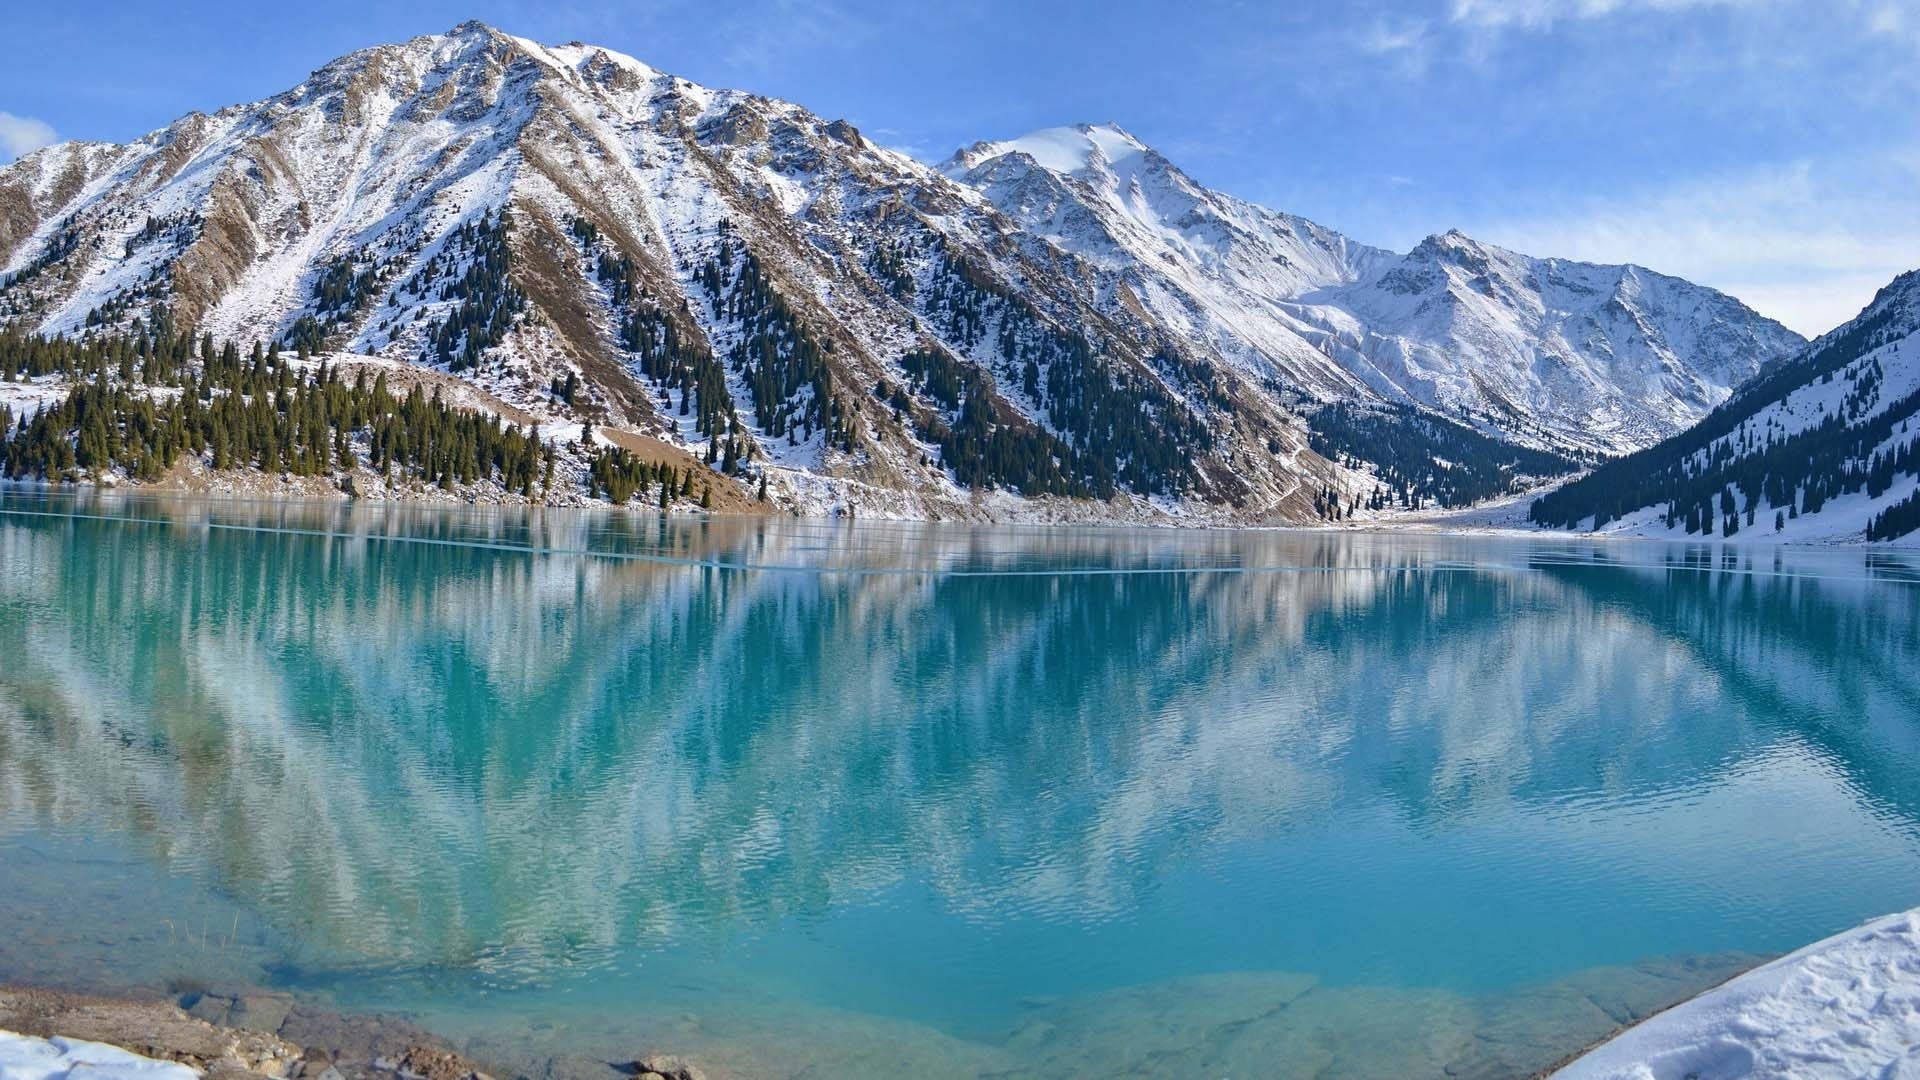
x=1065, y=325
x=728, y=274
x=1557, y=354
x=1825, y=446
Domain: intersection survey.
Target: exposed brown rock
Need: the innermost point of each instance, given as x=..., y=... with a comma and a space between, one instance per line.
x=17, y=218
x=211, y=264
x=667, y=1067
x=242, y=1034
x=154, y=1028
x=432, y=1063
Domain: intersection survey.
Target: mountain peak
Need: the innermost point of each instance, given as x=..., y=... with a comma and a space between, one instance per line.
x=1458, y=248
x=1449, y=242
x=472, y=33
x=1078, y=150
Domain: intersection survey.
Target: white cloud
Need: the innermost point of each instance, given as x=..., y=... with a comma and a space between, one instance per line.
x=1540, y=13
x=1471, y=33
x=1383, y=37
x=1488, y=18
x=20, y=135
x=1894, y=21
x=1805, y=243
x=1409, y=43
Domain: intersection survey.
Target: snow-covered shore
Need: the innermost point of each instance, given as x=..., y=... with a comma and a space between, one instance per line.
x=1845, y=1007
x=23, y=1057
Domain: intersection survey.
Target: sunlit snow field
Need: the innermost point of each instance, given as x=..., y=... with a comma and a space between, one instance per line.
x=895, y=799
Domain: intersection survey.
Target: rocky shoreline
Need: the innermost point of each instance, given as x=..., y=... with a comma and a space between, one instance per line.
x=266, y=1035
x=1229, y=1024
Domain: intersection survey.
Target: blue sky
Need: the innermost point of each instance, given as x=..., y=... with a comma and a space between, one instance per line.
x=1767, y=147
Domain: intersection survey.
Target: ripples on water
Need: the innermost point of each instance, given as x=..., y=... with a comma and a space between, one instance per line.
x=888, y=798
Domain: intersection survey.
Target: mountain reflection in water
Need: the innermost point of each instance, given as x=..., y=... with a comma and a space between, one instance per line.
x=1006, y=785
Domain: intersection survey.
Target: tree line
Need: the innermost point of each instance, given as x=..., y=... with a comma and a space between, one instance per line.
x=1423, y=460
x=1717, y=477
x=779, y=357
x=257, y=411
x=1124, y=428
x=489, y=302
x=671, y=359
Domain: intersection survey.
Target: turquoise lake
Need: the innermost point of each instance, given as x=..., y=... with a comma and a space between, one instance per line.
x=876, y=799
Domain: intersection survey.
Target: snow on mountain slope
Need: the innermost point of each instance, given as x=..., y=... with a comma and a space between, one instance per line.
x=1209, y=265
x=1569, y=354
x=1826, y=446
x=1563, y=355
x=762, y=289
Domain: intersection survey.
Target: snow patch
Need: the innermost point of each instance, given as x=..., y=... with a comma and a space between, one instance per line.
x=1845, y=1007
x=23, y=1057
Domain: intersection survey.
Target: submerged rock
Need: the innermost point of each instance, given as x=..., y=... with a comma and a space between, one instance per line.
x=1278, y=1024
x=578, y=1067
x=667, y=1068
x=253, y=1011
x=1153, y=1027
x=1349, y=1033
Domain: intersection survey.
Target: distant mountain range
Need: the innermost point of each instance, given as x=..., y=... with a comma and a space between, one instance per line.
x=1060, y=325
x=1557, y=354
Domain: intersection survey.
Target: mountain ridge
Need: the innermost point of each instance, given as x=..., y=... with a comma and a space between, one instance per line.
x=1454, y=324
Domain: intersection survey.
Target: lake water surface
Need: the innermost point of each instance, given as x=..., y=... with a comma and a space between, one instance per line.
x=872, y=799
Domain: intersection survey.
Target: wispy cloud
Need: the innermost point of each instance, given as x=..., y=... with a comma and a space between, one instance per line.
x=1805, y=242
x=1387, y=37
x=1407, y=42
x=21, y=135
x=1893, y=20
x=1542, y=13
x=1472, y=31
